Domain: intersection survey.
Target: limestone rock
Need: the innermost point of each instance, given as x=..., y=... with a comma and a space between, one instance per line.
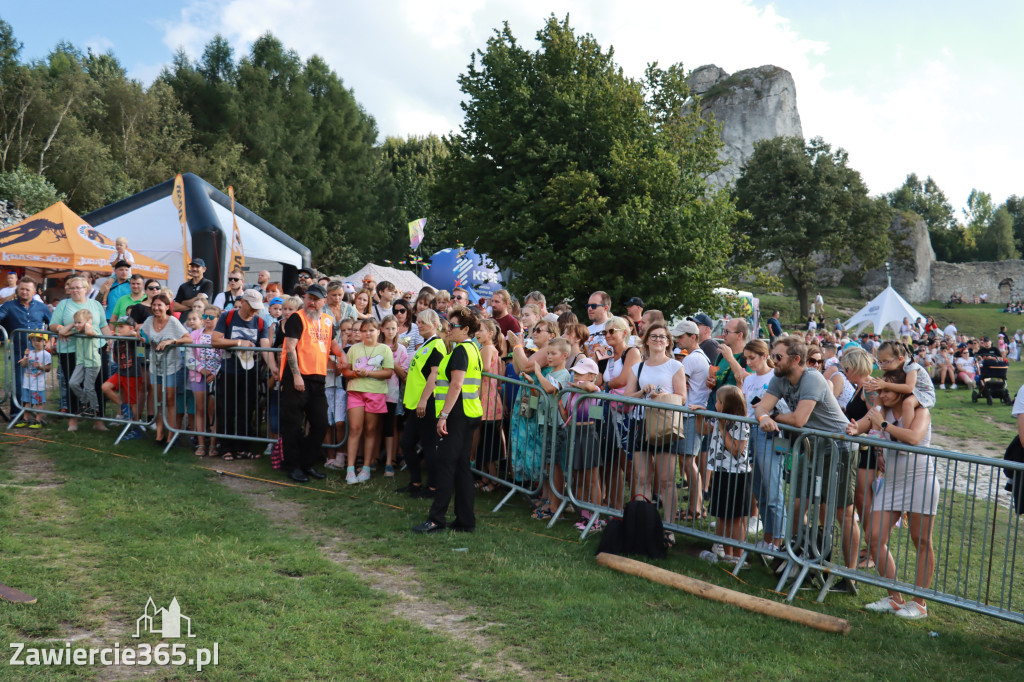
x=10, y=215
x=751, y=105
x=911, y=261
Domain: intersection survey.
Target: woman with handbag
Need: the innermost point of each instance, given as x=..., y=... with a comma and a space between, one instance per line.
x=659, y=377
x=616, y=359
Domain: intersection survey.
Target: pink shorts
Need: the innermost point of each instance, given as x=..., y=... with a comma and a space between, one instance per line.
x=373, y=403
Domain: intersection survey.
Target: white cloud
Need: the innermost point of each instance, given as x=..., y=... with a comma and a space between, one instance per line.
x=403, y=57
x=99, y=44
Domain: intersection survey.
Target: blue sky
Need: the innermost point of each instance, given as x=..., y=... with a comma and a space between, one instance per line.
x=911, y=86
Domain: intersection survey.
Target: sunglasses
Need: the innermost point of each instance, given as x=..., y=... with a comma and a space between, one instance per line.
x=456, y=326
x=209, y=317
x=777, y=357
x=235, y=279
x=305, y=277
x=592, y=306
x=401, y=311
x=813, y=361
x=152, y=288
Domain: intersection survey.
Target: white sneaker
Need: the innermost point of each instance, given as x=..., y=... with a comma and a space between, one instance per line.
x=719, y=550
x=752, y=525
x=954, y=387
x=912, y=611
x=709, y=557
x=351, y=478
x=942, y=386
x=885, y=605
x=331, y=464
x=763, y=546
x=270, y=449
x=364, y=476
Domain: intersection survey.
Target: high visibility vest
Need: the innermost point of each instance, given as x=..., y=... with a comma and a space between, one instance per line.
x=415, y=382
x=313, y=346
x=471, y=404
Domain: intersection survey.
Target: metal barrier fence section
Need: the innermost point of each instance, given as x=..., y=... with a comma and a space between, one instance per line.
x=513, y=444
x=99, y=378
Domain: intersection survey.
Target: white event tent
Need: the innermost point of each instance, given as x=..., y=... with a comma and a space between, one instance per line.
x=885, y=310
x=404, y=280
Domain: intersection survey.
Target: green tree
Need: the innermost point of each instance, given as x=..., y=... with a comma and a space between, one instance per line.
x=413, y=165
x=1015, y=205
x=805, y=207
x=928, y=201
x=578, y=178
x=27, y=191
x=995, y=242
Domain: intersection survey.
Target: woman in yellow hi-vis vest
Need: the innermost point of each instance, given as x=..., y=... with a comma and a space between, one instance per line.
x=459, y=411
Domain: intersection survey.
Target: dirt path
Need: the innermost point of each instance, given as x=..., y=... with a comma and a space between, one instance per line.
x=983, y=482
x=398, y=581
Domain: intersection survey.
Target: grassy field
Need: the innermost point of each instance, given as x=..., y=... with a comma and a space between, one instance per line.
x=300, y=583
x=326, y=581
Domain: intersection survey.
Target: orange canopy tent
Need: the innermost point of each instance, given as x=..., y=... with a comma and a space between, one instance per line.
x=56, y=238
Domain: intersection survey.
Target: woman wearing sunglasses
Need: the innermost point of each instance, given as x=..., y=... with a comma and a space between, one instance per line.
x=143, y=309
x=408, y=334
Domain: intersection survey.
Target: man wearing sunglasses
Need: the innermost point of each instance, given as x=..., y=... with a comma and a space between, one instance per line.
x=598, y=310
x=190, y=289
x=813, y=406
x=226, y=300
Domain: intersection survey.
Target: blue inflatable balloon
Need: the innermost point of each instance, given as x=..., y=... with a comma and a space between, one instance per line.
x=449, y=269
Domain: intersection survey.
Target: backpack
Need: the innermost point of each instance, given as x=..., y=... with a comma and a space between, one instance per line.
x=639, y=531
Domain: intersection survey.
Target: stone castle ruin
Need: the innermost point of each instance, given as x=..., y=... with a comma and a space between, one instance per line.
x=760, y=103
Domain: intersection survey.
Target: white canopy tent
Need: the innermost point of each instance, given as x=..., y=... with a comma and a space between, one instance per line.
x=404, y=280
x=885, y=310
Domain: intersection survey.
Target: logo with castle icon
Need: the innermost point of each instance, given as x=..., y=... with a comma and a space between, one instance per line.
x=163, y=622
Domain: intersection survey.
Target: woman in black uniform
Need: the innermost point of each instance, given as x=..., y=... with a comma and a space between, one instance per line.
x=459, y=411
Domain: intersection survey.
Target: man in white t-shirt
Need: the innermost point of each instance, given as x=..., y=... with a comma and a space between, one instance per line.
x=950, y=331
x=7, y=293
x=226, y=300
x=598, y=310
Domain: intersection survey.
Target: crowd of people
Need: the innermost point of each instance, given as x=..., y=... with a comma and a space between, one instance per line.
x=408, y=380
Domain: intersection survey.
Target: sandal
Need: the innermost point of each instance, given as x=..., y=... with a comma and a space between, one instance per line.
x=200, y=451
x=229, y=457
x=670, y=539
x=543, y=514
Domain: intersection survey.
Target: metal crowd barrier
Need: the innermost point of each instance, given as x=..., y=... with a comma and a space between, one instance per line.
x=242, y=409
x=974, y=525
x=51, y=388
x=512, y=449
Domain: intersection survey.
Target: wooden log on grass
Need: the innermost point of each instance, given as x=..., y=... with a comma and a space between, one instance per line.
x=819, y=621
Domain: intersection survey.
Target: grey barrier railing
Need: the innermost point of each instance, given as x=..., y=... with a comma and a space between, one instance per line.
x=242, y=409
x=53, y=394
x=512, y=448
x=974, y=527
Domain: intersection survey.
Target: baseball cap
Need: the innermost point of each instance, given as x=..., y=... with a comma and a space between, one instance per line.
x=316, y=290
x=306, y=271
x=703, y=320
x=685, y=327
x=350, y=288
x=276, y=300
x=585, y=366
x=198, y=261
x=636, y=300
x=125, y=320
x=122, y=264
x=253, y=298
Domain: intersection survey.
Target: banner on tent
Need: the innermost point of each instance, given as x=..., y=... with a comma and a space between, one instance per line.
x=237, y=250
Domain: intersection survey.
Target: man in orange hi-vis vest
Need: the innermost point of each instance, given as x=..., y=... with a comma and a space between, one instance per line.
x=308, y=340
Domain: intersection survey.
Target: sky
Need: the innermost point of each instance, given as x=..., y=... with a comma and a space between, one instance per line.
x=931, y=88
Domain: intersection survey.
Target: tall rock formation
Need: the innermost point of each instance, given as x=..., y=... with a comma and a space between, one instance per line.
x=750, y=105
x=911, y=261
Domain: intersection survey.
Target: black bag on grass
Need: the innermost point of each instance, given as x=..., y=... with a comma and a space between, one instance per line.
x=639, y=531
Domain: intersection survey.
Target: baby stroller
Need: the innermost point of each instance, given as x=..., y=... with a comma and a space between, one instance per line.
x=992, y=381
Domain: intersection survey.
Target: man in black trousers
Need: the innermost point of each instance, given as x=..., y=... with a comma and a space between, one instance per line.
x=308, y=340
